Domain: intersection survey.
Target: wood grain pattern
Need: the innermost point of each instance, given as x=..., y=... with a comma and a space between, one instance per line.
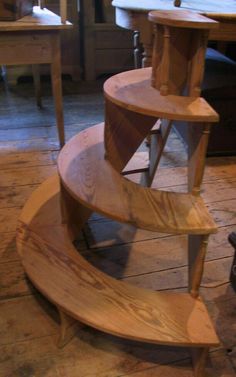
x=58, y=271
x=132, y=90
x=178, y=60
x=82, y=168
x=124, y=132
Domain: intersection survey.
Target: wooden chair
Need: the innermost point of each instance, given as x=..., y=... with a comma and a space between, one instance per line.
x=90, y=179
x=35, y=39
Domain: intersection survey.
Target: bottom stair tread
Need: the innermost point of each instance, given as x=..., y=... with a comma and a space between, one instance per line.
x=87, y=294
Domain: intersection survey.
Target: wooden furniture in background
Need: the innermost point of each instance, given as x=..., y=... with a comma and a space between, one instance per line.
x=35, y=39
x=90, y=179
x=70, y=46
x=13, y=10
x=106, y=47
x=70, y=39
x=132, y=15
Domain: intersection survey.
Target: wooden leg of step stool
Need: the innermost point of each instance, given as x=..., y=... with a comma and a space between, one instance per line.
x=197, y=246
x=197, y=148
x=74, y=215
x=199, y=357
x=68, y=328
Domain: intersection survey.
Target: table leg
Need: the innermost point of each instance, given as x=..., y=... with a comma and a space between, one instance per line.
x=37, y=84
x=57, y=86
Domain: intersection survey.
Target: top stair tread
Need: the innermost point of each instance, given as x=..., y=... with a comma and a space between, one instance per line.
x=132, y=90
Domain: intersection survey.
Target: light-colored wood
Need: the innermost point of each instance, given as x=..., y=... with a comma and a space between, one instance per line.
x=133, y=15
x=89, y=168
x=35, y=39
x=96, y=299
x=63, y=11
x=132, y=90
x=82, y=168
x=197, y=147
x=179, y=55
x=29, y=333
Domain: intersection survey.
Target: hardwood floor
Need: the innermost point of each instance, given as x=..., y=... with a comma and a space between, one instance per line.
x=29, y=323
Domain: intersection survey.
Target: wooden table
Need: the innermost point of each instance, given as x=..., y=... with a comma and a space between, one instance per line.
x=132, y=14
x=35, y=39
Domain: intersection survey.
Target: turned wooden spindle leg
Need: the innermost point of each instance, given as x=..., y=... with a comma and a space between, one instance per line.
x=197, y=247
x=197, y=146
x=68, y=328
x=146, y=39
x=137, y=50
x=165, y=67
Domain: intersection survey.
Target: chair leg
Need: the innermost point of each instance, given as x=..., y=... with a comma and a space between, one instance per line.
x=57, y=88
x=37, y=84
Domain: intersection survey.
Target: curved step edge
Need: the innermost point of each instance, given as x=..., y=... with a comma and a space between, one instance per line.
x=90, y=179
x=132, y=90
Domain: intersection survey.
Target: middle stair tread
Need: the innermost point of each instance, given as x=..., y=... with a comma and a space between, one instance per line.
x=91, y=179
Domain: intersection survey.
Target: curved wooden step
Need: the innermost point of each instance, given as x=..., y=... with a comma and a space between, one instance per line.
x=91, y=180
x=132, y=90
x=85, y=293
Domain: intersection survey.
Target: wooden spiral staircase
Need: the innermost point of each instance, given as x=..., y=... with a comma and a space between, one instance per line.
x=90, y=179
